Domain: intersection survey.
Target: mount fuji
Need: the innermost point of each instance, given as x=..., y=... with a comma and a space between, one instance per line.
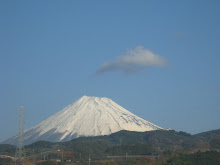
x=88, y=116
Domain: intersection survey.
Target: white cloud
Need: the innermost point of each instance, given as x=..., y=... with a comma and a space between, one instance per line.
x=135, y=60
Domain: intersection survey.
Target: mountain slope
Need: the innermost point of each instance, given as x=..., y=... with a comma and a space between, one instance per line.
x=210, y=135
x=88, y=116
x=121, y=142
x=213, y=137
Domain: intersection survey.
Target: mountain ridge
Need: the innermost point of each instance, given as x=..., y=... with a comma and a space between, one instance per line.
x=158, y=140
x=88, y=116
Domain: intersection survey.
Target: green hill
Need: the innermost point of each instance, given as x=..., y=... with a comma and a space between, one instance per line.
x=152, y=142
x=213, y=137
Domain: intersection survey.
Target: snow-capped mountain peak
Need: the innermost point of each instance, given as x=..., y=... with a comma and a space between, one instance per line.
x=88, y=116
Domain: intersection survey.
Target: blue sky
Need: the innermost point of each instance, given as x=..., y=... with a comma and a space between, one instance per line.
x=54, y=52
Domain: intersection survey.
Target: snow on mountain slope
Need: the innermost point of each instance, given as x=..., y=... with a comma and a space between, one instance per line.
x=88, y=116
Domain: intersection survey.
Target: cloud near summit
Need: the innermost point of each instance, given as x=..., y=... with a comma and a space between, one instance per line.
x=136, y=60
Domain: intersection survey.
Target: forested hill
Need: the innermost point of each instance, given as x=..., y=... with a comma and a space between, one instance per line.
x=159, y=140
x=213, y=137
x=210, y=135
x=152, y=142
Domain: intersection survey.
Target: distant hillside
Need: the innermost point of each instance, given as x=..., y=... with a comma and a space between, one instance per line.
x=159, y=140
x=150, y=142
x=6, y=148
x=213, y=137
x=210, y=135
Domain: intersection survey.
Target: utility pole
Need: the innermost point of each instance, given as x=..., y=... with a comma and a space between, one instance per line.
x=89, y=159
x=20, y=155
x=34, y=159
